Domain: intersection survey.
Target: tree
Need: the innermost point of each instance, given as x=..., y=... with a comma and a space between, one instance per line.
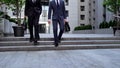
x=114, y=7
x=15, y=5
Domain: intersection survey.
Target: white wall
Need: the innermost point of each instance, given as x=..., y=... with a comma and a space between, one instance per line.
x=8, y=25
x=73, y=13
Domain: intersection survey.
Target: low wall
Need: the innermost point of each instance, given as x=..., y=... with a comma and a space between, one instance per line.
x=104, y=31
x=83, y=32
x=8, y=27
x=97, y=31
x=117, y=33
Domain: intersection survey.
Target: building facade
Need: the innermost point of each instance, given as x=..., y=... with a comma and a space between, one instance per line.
x=93, y=12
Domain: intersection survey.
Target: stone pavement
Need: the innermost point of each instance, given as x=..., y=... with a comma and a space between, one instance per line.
x=99, y=58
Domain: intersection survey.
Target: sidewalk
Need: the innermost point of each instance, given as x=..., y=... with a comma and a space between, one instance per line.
x=99, y=58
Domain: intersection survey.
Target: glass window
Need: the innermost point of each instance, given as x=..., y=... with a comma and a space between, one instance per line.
x=93, y=18
x=14, y=12
x=82, y=8
x=82, y=17
x=67, y=13
x=82, y=0
x=82, y=24
x=66, y=2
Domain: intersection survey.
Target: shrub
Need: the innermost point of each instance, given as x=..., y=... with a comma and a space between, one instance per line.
x=112, y=23
x=109, y=24
x=104, y=25
x=85, y=27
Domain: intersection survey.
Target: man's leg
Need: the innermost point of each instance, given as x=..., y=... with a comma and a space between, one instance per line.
x=55, y=29
x=37, y=37
x=30, y=26
x=61, y=24
x=36, y=29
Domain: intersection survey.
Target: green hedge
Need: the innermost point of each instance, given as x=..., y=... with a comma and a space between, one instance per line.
x=85, y=27
x=107, y=24
x=104, y=25
x=112, y=23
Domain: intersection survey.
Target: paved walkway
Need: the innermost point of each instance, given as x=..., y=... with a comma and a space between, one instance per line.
x=106, y=58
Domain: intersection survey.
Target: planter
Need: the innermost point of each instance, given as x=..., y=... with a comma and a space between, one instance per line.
x=18, y=31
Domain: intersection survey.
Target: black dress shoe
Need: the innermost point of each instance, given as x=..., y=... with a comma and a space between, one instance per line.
x=31, y=40
x=59, y=41
x=35, y=42
x=56, y=44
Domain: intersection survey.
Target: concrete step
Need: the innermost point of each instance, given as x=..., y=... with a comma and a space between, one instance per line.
x=69, y=42
x=51, y=39
x=60, y=47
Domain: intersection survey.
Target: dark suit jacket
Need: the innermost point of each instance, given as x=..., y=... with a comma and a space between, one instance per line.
x=33, y=8
x=58, y=13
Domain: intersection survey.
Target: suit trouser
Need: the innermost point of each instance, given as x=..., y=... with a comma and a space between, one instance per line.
x=33, y=22
x=55, y=29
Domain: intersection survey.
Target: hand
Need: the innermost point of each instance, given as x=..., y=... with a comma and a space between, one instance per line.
x=65, y=20
x=25, y=17
x=49, y=21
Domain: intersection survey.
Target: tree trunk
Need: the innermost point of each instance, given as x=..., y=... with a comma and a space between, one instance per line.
x=17, y=4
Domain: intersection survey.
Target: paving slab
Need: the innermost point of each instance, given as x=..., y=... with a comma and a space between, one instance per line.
x=98, y=58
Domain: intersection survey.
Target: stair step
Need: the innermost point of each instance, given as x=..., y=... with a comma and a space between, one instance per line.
x=51, y=39
x=67, y=43
x=60, y=47
x=71, y=42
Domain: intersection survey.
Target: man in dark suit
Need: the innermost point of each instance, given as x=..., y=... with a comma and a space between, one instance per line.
x=33, y=10
x=57, y=8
